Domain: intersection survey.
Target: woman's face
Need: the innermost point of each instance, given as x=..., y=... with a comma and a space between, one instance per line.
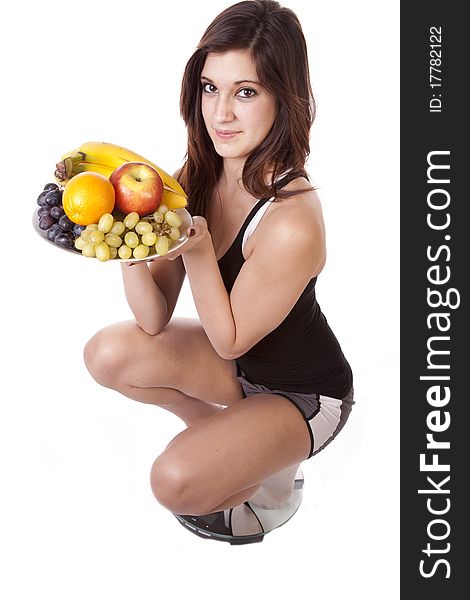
x=238, y=111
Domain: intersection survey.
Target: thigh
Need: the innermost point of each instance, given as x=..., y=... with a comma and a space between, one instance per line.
x=231, y=451
x=180, y=357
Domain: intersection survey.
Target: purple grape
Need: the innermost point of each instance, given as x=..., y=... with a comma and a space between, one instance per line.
x=54, y=198
x=65, y=223
x=42, y=198
x=57, y=212
x=77, y=230
x=53, y=231
x=46, y=221
x=65, y=240
x=44, y=210
x=50, y=186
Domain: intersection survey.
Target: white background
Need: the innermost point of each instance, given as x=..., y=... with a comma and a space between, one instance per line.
x=78, y=519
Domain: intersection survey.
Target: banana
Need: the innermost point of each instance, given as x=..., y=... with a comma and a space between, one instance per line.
x=173, y=200
x=95, y=168
x=104, y=158
x=111, y=155
x=74, y=164
x=67, y=167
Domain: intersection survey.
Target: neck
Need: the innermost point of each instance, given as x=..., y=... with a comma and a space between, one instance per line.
x=232, y=171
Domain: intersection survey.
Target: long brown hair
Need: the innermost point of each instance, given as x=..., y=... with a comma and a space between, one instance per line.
x=274, y=36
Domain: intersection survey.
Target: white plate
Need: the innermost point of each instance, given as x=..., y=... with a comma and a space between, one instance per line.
x=181, y=212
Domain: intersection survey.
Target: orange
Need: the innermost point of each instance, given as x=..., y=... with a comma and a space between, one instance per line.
x=87, y=196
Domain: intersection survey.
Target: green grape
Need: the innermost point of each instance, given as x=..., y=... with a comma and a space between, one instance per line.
x=80, y=243
x=162, y=246
x=158, y=217
x=89, y=250
x=106, y=222
x=172, y=219
x=112, y=252
x=143, y=227
x=113, y=240
x=163, y=208
x=117, y=228
x=174, y=234
x=149, y=239
x=96, y=237
x=102, y=251
x=92, y=227
x=131, y=239
x=85, y=235
x=131, y=220
x=124, y=252
x=141, y=251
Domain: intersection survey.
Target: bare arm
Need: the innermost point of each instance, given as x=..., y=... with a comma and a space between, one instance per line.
x=152, y=290
x=287, y=254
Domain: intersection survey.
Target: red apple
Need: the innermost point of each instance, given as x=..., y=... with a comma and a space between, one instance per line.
x=138, y=188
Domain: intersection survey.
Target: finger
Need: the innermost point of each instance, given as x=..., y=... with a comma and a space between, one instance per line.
x=199, y=221
x=198, y=227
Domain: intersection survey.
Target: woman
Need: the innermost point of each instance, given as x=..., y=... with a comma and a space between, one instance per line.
x=260, y=380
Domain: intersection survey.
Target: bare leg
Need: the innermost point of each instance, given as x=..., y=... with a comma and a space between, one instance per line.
x=237, y=499
x=190, y=410
x=222, y=461
x=276, y=491
x=273, y=493
x=177, y=369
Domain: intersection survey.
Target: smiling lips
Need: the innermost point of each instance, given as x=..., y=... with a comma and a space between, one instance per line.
x=226, y=135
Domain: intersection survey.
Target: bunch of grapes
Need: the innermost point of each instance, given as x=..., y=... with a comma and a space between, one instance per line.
x=131, y=237
x=52, y=218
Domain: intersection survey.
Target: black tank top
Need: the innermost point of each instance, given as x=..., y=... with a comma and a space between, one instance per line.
x=302, y=354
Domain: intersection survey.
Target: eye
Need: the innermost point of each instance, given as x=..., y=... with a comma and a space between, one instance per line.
x=247, y=93
x=208, y=88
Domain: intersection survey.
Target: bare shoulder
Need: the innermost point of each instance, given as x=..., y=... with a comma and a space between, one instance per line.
x=300, y=215
x=297, y=224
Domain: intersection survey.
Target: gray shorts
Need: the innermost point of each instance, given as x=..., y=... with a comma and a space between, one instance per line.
x=324, y=416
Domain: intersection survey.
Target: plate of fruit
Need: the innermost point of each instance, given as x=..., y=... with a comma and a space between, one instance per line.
x=111, y=204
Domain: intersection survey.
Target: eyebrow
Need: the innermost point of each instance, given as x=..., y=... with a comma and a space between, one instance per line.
x=235, y=82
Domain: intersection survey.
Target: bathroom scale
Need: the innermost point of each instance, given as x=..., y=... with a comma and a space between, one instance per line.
x=246, y=523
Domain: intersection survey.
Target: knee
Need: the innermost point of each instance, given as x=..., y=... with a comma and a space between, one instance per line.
x=103, y=358
x=167, y=484
x=175, y=489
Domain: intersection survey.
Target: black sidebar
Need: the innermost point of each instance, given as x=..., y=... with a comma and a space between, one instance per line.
x=435, y=271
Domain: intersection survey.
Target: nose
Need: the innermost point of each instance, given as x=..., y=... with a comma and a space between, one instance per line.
x=223, y=109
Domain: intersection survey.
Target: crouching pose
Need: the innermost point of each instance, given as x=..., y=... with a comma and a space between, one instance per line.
x=259, y=379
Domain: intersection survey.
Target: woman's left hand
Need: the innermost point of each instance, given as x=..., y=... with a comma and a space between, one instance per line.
x=197, y=233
